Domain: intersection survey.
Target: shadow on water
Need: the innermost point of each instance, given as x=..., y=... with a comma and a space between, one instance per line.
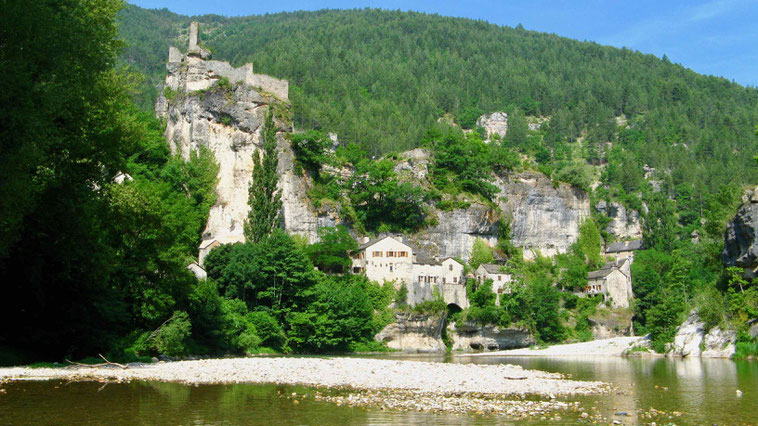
x=703, y=390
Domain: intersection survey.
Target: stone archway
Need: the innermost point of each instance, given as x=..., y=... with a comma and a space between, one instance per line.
x=453, y=308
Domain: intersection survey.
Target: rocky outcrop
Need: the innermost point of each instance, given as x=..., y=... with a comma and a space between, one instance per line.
x=456, y=230
x=624, y=224
x=609, y=323
x=214, y=105
x=691, y=340
x=493, y=124
x=472, y=336
x=741, y=239
x=414, y=333
x=543, y=217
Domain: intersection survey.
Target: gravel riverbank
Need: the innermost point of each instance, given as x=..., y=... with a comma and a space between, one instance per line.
x=356, y=373
x=606, y=347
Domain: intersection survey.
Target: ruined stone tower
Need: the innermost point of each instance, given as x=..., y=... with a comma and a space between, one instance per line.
x=227, y=119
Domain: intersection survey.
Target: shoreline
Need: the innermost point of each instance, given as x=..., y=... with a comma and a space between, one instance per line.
x=399, y=385
x=332, y=372
x=613, y=347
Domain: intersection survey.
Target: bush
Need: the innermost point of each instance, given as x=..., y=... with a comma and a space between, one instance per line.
x=340, y=315
x=170, y=338
x=267, y=329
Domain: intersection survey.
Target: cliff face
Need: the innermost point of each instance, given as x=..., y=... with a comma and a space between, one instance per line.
x=543, y=218
x=624, y=223
x=741, y=239
x=414, y=333
x=210, y=104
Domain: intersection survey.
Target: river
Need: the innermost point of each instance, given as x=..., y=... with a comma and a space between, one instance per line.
x=703, y=391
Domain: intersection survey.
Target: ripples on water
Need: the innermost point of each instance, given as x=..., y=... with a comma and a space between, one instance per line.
x=704, y=390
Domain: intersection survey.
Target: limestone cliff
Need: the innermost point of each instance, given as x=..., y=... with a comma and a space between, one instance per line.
x=472, y=336
x=543, y=217
x=741, y=238
x=414, y=333
x=624, y=223
x=211, y=104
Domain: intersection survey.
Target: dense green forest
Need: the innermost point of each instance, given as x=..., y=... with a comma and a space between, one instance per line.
x=382, y=78
x=90, y=265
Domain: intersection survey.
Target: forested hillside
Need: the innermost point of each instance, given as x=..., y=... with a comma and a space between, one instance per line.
x=382, y=78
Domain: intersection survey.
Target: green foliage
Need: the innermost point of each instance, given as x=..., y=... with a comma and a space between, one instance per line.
x=310, y=149
x=265, y=200
x=460, y=162
x=274, y=273
x=339, y=315
x=659, y=225
x=401, y=298
x=468, y=116
x=589, y=244
x=330, y=253
x=170, y=338
x=481, y=252
x=381, y=201
x=534, y=301
x=746, y=346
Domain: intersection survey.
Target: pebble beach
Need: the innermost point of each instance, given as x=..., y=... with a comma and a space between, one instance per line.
x=430, y=385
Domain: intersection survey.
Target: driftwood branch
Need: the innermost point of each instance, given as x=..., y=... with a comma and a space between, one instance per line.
x=113, y=363
x=79, y=364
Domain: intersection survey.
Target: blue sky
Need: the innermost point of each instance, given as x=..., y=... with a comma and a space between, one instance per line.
x=718, y=37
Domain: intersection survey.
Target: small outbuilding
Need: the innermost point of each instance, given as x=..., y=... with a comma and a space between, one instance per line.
x=613, y=281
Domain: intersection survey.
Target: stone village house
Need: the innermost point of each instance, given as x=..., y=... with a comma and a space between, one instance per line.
x=614, y=279
x=500, y=280
x=390, y=259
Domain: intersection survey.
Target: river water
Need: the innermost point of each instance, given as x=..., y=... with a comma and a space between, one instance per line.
x=703, y=391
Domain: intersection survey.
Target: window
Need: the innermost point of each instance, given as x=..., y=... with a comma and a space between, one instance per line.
x=499, y=277
x=377, y=254
x=420, y=279
x=455, y=279
x=450, y=266
x=444, y=280
x=402, y=254
x=390, y=267
x=390, y=254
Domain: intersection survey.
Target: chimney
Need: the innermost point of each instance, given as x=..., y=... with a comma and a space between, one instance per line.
x=193, y=36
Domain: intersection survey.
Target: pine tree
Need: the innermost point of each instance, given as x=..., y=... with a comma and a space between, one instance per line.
x=265, y=200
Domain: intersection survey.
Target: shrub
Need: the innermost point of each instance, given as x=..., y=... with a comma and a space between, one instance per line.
x=170, y=338
x=267, y=329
